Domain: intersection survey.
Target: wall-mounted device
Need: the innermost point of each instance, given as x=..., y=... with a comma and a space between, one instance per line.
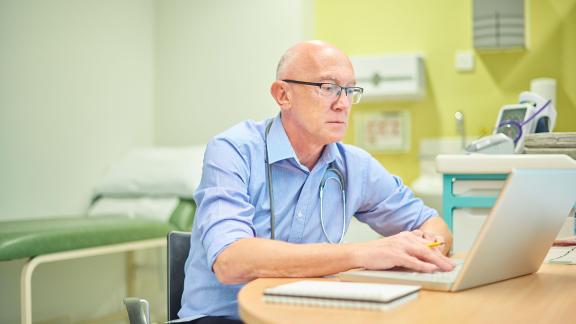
x=390, y=76
x=499, y=24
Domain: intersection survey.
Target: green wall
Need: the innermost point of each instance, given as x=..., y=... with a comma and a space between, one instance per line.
x=437, y=29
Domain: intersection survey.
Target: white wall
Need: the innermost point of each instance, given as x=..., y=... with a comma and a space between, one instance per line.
x=76, y=91
x=215, y=61
x=82, y=82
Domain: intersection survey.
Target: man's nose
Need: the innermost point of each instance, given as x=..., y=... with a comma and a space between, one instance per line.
x=343, y=101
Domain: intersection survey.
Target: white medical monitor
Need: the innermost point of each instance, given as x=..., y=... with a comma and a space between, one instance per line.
x=518, y=113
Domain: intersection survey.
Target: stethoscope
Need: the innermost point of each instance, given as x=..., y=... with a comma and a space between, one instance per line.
x=513, y=128
x=336, y=176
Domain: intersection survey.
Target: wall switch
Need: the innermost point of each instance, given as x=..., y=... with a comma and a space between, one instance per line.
x=464, y=61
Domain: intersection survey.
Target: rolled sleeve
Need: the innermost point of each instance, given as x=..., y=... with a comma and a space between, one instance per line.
x=224, y=213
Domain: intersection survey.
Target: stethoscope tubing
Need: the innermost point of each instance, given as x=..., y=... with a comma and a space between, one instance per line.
x=338, y=178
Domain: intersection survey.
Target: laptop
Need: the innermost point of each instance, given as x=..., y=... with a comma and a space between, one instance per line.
x=515, y=238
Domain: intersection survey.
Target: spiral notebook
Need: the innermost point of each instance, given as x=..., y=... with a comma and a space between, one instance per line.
x=334, y=294
x=562, y=255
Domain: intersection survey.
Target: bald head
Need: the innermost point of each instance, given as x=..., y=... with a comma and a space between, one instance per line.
x=307, y=58
x=308, y=91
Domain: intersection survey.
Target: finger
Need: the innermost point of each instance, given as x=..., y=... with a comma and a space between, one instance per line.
x=443, y=262
x=410, y=238
x=418, y=233
x=432, y=256
x=417, y=246
x=418, y=237
x=429, y=236
x=434, y=237
x=416, y=264
x=440, y=239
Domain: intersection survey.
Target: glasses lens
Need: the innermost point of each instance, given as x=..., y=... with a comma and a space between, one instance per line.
x=353, y=94
x=356, y=95
x=329, y=90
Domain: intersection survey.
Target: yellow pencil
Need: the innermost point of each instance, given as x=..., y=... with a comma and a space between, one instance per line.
x=434, y=244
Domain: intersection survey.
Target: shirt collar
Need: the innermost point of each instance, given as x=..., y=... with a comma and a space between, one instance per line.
x=277, y=142
x=330, y=153
x=279, y=146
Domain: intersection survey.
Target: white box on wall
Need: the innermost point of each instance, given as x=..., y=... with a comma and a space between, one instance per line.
x=391, y=76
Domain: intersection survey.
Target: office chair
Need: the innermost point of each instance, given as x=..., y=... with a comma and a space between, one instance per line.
x=178, y=247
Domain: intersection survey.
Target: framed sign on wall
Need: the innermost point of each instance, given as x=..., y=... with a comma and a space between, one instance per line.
x=383, y=131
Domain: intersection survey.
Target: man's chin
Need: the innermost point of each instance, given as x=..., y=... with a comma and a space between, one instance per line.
x=336, y=137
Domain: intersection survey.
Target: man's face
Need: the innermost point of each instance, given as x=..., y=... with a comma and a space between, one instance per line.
x=318, y=118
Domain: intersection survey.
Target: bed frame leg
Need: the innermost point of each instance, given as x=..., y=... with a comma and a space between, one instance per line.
x=26, y=291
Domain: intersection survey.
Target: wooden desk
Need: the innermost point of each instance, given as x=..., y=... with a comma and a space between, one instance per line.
x=548, y=296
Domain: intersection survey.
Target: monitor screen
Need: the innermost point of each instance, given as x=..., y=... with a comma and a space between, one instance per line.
x=512, y=130
x=517, y=114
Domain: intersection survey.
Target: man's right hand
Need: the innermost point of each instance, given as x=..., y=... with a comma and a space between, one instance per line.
x=406, y=250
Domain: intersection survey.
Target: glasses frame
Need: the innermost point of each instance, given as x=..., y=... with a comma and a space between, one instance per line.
x=320, y=84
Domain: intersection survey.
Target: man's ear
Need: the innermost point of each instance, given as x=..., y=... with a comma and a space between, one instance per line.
x=280, y=93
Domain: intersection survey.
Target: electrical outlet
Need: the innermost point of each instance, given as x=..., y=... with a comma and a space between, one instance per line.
x=464, y=61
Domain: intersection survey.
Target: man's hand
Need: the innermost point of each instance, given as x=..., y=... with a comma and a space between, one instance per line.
x=441, y=232
x=406, y=249
x=432, y=238
x=250, y=258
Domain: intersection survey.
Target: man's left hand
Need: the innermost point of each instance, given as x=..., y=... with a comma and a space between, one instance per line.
x=432, y=237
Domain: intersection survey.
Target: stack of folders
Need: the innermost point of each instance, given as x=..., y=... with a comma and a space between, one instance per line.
x=335, y=294
x=551, y=143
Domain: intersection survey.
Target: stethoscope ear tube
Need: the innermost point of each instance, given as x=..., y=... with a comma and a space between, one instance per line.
x=338, y=178
x=331, y=168
x=269, y=182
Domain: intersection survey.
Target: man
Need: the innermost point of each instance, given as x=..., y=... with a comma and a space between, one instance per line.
x=298, y=157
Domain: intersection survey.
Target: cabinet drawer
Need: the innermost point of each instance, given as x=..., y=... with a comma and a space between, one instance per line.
x=467, y=223
x=477, y=188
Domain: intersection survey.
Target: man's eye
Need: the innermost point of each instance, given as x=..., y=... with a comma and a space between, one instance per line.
x=330, y=87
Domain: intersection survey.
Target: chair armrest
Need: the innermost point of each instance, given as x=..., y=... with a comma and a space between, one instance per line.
x=138, y=310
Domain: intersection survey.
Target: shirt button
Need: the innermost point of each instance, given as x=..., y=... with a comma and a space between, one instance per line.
x=300, y=216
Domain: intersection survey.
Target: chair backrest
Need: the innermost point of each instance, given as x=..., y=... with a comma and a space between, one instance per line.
x=178, y=248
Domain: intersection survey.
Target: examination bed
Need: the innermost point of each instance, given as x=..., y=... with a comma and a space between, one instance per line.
x=63, y=238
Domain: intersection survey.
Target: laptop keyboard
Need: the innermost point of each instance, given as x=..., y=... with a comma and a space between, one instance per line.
x=439, y=276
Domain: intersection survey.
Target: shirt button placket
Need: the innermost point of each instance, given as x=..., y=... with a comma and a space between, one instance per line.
x=299, y=225
x=300, y=216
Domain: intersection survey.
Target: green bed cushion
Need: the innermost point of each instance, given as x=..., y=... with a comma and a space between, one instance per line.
x=32, y=237
x=183, y=216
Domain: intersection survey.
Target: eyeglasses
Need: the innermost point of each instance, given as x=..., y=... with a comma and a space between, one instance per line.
x=333, y=91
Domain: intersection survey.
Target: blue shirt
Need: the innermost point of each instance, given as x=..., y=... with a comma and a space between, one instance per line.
x=233, y=204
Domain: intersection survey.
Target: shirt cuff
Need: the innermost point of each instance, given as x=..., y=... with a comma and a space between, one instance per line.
x=216, y=241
